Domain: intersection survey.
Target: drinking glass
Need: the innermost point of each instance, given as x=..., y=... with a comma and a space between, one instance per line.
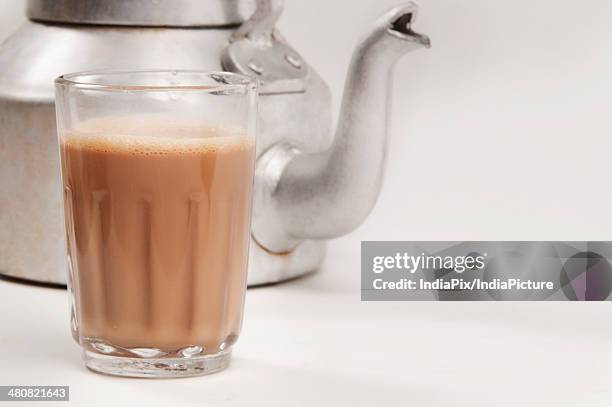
x=157, y=176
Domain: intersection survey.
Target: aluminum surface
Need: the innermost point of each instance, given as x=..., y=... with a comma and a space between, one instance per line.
x=159, y=13
x=302, y=189
x=327, y=194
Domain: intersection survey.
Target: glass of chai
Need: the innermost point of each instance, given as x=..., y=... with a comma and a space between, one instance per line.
x=157, y=177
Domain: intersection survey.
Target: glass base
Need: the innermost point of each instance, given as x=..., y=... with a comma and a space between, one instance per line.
x=156, y=368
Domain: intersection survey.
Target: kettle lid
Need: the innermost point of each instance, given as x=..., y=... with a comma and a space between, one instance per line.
x=152, y=13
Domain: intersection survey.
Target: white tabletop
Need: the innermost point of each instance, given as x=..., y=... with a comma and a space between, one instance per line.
x=312, y=342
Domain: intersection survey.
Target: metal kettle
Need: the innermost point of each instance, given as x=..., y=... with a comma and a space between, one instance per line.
x=305, y=190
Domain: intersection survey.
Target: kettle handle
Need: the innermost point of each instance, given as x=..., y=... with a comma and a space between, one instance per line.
x=260, y=26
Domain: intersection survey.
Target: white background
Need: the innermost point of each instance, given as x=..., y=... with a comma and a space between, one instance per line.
x=501, y=131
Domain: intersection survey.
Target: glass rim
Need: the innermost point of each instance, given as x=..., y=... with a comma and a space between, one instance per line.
x=75, y=80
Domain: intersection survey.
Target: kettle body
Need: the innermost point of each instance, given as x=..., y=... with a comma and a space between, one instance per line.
x=301, y=167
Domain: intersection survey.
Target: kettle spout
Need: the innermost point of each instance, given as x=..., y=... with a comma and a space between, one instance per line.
x=326, y=195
